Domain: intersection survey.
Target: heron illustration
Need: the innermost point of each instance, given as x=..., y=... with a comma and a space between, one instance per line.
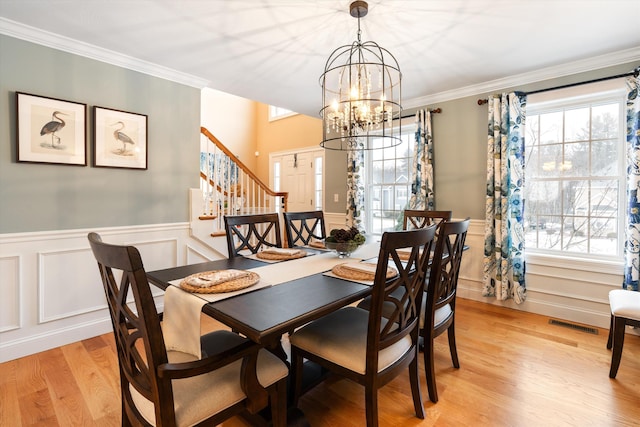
x=122, y=137
x=53, y=126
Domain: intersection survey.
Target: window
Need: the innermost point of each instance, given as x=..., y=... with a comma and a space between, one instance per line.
x=318, y=183
x=388, y=185
x=276, y=113
x=276, y=176
x=574, y=172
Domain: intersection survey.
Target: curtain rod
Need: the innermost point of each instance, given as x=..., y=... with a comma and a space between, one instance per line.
x=434, y=111
x=635, y=73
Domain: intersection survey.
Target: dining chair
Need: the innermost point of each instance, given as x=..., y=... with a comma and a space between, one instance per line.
x=625, y=310
x=363, y=345
x=439, y=302
x=252, y=232
x=419, y=218
x=169, y=387
x=303, y=227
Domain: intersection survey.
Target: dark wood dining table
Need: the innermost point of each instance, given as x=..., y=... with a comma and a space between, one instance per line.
x=265, y=314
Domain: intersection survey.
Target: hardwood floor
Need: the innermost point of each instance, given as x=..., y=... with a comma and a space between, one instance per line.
x=516, y=369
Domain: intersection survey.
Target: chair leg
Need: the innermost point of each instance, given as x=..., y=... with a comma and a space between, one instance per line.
x=610, y=338
x=296, y=376
x=430, y=370
x=414, y=378
x=126, y=422
x=371, y=405
x=451, y=332
x=618, y=341
x=279, y=404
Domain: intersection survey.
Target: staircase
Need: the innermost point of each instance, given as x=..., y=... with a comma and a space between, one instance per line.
x=227, y=187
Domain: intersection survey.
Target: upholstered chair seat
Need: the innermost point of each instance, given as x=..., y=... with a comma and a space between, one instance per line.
x=170, y=374
x=625, y=310
x=194, y=398
x=371, y=347
x=441, y=315
x=341, y=338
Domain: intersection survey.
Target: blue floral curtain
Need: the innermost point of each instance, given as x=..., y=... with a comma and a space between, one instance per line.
x=632, y=232
x=504, y=265
x=355, y=186
x=422, y=196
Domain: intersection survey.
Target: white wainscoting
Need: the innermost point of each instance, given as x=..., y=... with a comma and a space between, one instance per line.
x=559, y=288
x=556, y=287
x=51, y=292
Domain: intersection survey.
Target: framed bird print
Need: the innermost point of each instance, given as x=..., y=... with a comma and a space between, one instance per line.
x=120, y=139
x=50, y=130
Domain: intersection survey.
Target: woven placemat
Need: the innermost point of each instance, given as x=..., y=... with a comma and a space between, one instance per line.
x=319, y=245
x=347, y=272
x=404, y=255
x=242, y=282
x=272, y=256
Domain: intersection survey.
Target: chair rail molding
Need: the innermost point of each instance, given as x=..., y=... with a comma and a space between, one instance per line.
x=52, y=294
x=51, y=289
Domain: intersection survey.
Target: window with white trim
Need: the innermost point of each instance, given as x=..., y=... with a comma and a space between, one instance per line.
x=575, y=171
x=276, y=113
x=388, y=182
x=318, y=185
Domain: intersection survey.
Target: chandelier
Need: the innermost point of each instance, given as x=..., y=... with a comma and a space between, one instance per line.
x=361, y=95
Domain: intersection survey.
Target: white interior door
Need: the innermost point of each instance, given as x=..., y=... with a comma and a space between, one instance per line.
x=299, y=178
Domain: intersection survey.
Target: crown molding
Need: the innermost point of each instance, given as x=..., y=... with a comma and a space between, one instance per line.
x=66, y=44
x=576, y=67
x=55, y=41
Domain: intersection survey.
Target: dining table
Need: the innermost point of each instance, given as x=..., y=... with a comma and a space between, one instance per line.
x=289, y=294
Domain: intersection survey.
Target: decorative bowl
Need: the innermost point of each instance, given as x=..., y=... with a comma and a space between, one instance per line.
x=343, y=249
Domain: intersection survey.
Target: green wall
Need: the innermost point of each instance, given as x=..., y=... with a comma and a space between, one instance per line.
x=43, y=197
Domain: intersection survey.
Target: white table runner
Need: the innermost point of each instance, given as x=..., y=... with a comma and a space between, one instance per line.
x=280, y=272
x=183, y=325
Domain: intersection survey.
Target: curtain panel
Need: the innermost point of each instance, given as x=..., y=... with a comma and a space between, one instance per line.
x=355, y=187
x=632, y=230
x=422, y=195
x=504, y=266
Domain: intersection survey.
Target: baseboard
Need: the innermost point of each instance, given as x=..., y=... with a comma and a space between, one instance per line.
x=37, y=343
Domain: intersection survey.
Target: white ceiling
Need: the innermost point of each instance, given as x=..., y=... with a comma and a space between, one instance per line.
x=274, y=51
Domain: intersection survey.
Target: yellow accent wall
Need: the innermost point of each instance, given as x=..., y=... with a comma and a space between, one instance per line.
x=289, y=133
x=243, y=126
x=232, y=120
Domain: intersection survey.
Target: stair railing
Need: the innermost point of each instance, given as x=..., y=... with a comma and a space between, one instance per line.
x=230, y=188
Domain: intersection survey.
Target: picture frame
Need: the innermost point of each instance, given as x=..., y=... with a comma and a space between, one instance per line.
x=50, y=130
x=120, y=139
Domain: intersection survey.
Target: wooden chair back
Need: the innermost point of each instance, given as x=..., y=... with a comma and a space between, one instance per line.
x=398, y=300
x=443, y=278
x=304, y=227
x=136, y=326
x=252, y=232
x=418, y=218
x=146, y=368
x=441, y=295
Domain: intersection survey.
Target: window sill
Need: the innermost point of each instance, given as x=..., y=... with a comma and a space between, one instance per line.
x=592, y=265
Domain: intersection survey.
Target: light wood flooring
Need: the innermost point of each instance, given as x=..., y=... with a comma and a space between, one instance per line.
x=516, y=369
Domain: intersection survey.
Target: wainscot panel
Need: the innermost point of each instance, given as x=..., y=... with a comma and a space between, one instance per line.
x=51, y=289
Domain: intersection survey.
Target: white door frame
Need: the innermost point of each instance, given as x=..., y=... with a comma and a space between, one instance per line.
x=279, y=154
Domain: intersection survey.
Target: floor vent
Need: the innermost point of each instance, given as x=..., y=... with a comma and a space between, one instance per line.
x=586, y=329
